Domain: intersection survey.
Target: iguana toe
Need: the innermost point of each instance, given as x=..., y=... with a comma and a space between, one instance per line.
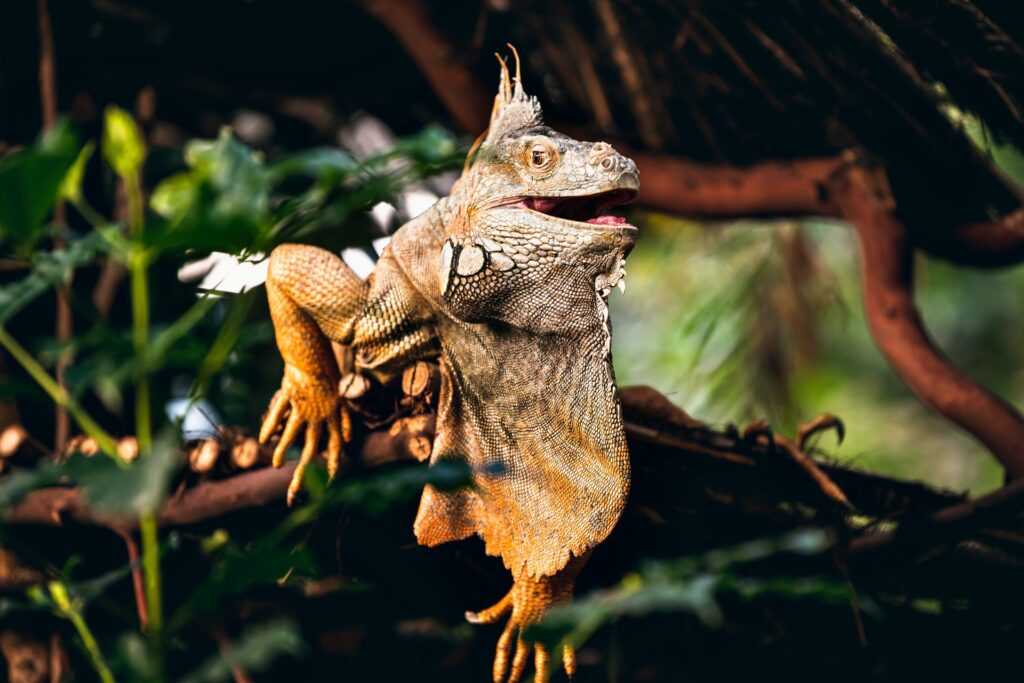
x=528, y=601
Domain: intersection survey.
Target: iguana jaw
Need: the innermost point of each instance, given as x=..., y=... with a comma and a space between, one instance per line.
x=586, y=210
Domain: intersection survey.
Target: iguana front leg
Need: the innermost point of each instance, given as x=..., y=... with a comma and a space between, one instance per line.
x=314, y=298
x=528, y=601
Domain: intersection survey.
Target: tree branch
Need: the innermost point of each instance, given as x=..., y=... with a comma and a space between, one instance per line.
x=987, y=244
x=770, y=189
x=451, y=80
x=887, y=273
x=653, y=425
x=950, y=523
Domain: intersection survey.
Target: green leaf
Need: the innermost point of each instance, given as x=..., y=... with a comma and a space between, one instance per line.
x=174, y=195
x=227, y=337
x=136, y=490
x=71, y=186
x=50, y=268
x=692, y=584
x=162, y=342
x=253, y=651
x=123, y=145
x=17, y=485
x=325, y=162
x=138, y=659
x=378, y=492
x=220, y=204
x=29, y=184
x=433, y=145
x=237, y=568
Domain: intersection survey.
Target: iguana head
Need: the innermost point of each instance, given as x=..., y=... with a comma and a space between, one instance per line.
x=535, y=216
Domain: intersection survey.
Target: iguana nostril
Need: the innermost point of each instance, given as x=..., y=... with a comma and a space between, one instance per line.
x=608, y=163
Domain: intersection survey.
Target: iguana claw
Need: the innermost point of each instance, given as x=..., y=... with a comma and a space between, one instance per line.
x=528, y=601
x=822, y=423
x=309, y=402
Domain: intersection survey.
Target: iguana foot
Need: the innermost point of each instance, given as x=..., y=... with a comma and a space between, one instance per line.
x=760, y=431
x=313, y=402
x=528, y=601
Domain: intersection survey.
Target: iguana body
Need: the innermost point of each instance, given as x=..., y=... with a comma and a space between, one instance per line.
x=503, y=284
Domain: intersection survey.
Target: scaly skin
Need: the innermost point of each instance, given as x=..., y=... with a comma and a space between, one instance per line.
x=510, y=298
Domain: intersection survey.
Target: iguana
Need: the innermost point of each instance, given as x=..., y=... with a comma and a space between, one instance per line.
x=505, y=281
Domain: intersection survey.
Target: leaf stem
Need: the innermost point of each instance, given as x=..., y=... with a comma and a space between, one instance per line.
x=59, y=395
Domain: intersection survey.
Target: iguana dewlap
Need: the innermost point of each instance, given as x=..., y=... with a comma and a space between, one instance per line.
x=505, y=281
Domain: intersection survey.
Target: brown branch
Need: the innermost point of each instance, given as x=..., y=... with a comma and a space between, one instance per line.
x=887, y=272
x=211, y=499
x=651, y=420
x=770, y=189
x=777, y=189
x=55, y=506
x=987, y=244
x=630, y=66
x=589, y=80
x=734, y=56
x=47, y=65
x=138, y=585
x=64, y=321
x=110, y=278
x=451, y=80
x=955, y=521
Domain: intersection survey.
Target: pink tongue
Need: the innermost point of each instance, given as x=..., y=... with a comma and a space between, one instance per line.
x=608, y=219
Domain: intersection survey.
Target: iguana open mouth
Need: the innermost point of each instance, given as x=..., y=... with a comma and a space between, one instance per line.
x=594, y=209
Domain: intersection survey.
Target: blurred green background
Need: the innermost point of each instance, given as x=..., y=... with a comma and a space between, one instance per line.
x=740, y=322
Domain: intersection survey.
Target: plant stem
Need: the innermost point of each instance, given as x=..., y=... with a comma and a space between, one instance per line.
x=59, y=394
x=140, y=339
x=59, y=593
x=151, y=564
x=138, y=264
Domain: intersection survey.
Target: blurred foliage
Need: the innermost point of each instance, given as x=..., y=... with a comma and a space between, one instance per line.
x=736, y=324
x=695, y=585
x=29, y=183
x=227, y=199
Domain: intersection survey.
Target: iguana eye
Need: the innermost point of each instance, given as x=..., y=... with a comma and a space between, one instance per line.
x=541, y=156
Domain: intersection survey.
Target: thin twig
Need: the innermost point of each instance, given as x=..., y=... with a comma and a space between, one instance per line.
x=589, y=79
x=641, y=94
x=238, y=674
x=734, y=56
x=138, y=584
x=64, y=320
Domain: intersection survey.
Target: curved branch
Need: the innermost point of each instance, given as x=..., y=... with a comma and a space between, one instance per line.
x=887, y=271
